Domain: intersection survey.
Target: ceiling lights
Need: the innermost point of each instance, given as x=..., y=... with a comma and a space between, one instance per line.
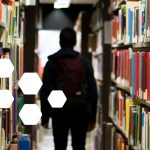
x=58, y=4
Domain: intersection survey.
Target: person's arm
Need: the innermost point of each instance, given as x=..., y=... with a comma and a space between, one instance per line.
x=45, y=92
x=92, y=94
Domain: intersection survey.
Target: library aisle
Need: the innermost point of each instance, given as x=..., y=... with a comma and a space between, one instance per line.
x=113, y=34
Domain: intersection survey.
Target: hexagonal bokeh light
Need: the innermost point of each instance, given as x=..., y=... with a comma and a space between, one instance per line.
x=57, y=99
x=30, y=114
x=30, y=83
x=6, y=68
x=6, y=98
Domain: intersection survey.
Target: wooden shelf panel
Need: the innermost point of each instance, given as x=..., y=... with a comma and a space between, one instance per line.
x=120, y=129
x=121, y=86
x=144, y=102
x=2, y=25
x=141, y=47
x=136, y=47
x=121, y=46
x=97, y=54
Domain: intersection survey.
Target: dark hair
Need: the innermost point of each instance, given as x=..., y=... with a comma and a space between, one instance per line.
x=67, y=38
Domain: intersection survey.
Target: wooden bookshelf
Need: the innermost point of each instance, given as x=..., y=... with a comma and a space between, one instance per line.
x=131, y=33
x=96, y=49
x=11, y=37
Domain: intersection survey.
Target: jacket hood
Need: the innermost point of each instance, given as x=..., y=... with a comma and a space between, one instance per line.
x=64, y=53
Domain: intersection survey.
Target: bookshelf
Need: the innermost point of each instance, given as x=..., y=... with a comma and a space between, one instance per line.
x=129, y=101
x=12, y=39
x=99, y=46
x=96, y=51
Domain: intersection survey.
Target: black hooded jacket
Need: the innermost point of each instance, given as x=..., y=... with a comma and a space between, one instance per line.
x=48, y=83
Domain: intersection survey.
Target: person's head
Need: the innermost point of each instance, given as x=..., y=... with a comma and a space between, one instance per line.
x=67, y=38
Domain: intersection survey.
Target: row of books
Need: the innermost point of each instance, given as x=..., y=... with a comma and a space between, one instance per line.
x=131, y=70
x=119, y=142
x=17, y=60
x=10, y=124
x=15, y=54
x=132, y=117
x=132, y=23
x=9, y=17
x=119, y=26
x=12, y=19
x=121, y=66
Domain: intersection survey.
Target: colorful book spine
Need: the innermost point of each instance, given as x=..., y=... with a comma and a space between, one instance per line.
x=24, y=142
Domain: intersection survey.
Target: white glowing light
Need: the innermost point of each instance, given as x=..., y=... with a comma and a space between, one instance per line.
x=6, y=98
x=57, y=99
x=6, y=68
x=58, y=4
x=30, y=114
x=30, y=83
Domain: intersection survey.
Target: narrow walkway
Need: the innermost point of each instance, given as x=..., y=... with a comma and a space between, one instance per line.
x=47, y=142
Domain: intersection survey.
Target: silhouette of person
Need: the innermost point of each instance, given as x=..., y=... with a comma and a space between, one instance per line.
x=77, y=119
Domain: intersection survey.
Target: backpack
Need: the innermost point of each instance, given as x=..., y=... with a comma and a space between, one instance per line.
x=70, y=77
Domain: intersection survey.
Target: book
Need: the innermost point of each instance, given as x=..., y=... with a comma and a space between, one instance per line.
x=24, y=142
x=0, y=128
x=137, y=57
x=143, y=129
x=129, y=103
x=133, y=71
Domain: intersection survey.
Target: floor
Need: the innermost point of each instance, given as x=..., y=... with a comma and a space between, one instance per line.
x=46, y=142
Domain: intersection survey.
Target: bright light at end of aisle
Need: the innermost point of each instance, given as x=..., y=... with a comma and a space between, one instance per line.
x=6, y=68
x=58, y=4
x=30, y=83
x=57, y=99
x=6, y=98
x=30, y=114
